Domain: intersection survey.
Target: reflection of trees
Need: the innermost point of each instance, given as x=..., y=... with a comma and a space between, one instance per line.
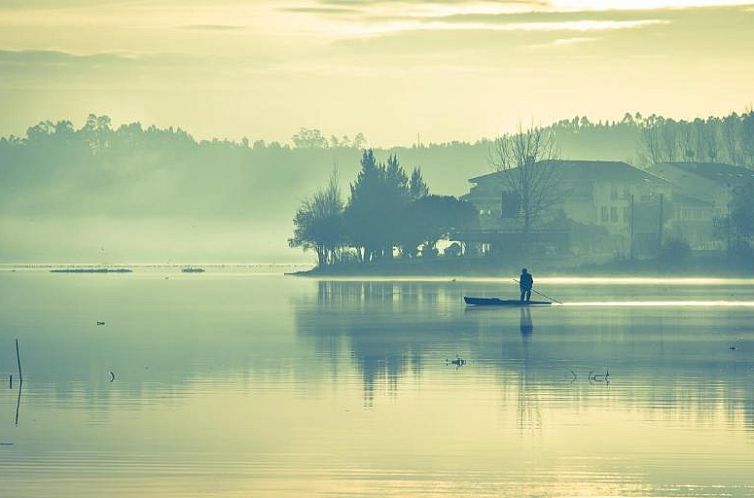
x=393, y=330
x=388, y=326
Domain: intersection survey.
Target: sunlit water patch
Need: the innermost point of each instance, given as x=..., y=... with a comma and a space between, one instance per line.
x=261, y=385
x=664, y=304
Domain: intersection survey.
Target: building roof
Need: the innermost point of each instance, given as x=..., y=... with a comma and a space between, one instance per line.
x=610, y=171
x=718, y=172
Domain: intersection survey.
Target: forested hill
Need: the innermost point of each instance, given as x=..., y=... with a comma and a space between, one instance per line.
x=100, y=193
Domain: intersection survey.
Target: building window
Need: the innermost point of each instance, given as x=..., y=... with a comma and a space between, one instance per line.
x=614, y=193
x=626, y=215
x=614, y=214
x=605, y=214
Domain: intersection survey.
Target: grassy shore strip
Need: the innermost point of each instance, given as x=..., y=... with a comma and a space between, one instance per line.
x=91, y=270
x=716, y=266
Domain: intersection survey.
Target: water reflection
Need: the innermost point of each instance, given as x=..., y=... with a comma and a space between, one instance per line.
x=528, y=402
x=387, y=337
x=526, y=325
x=292, y=387
x=161, y=338
x=394, y=330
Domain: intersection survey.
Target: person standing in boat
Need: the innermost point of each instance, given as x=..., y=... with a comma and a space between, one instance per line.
x=525, y=283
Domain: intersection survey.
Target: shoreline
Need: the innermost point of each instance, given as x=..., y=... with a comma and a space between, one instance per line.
x=697, y=267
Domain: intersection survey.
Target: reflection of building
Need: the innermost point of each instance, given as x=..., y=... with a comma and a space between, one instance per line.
x=703, y=191
x=396, y=336
x=596, y=207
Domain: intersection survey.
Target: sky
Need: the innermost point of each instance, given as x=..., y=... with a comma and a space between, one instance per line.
x=398, y=71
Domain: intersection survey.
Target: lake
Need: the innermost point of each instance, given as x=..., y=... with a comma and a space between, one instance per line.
x=237, y=382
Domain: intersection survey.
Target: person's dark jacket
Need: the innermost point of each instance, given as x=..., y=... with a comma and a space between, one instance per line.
x=526, y=281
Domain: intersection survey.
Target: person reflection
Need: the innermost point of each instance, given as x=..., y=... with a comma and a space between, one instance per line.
x=529, y=416
x=527, y=327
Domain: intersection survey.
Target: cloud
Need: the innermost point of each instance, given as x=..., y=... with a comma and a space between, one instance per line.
x=566, y=42
x=52, y=68
x=320, y=10
x=55, y=68
x=382, y=18
x=58, y=58
x=436, y=9
x=579, y=25
x=48, y=62
x=572, y=41
x=444, y=9
x=58, y=4
x=214, y=27
x=602, y=5
x=546, y=5
x=582, y=25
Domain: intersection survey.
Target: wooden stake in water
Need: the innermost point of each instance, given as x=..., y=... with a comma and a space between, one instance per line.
x=18, y=360
x=18, y=400
x=20, y=380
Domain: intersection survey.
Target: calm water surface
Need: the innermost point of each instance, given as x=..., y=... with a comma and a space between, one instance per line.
x=239, y=384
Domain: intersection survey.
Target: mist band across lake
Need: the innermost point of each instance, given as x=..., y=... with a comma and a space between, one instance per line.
x=240, y=383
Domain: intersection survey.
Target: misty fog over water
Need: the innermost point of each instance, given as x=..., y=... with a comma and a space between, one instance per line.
x=107, y=193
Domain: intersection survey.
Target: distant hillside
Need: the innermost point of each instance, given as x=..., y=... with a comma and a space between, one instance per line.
x=103, y=194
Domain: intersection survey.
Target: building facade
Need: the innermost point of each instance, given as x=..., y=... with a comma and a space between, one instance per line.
x=596, y=208
x=703, y=192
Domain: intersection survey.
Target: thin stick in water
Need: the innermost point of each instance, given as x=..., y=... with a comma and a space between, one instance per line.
x=18, y=360
x=18, y=400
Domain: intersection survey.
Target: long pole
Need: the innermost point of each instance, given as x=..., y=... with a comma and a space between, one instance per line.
x=543, y=295
x=18, y=360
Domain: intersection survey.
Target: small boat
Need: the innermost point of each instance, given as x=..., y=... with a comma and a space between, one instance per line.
x=493, y=301
x=192, y=269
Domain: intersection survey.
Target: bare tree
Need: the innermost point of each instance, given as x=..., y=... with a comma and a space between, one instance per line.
x=650, y=140
x=686, y=138
x=319, y=221
x=747, y=139
x=731, y=133
x=670, y=141
x=711, y=139
x=525, y=159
